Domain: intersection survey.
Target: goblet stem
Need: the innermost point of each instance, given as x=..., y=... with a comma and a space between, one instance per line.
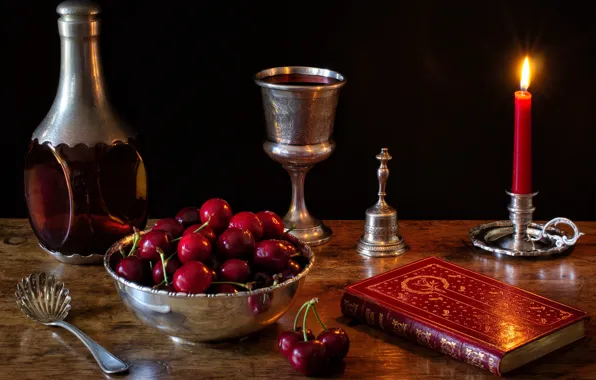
x=298, y=214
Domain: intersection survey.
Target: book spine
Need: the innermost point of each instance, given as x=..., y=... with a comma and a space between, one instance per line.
x=398, y=324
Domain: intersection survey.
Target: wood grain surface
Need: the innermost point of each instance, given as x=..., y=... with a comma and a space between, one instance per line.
x=30, y=350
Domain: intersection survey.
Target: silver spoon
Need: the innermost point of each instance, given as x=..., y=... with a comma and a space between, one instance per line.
x=47, y=301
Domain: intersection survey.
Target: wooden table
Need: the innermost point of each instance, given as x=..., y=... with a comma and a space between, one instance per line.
x=30, y=350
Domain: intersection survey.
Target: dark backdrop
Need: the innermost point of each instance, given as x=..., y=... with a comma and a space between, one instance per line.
x=431, y=80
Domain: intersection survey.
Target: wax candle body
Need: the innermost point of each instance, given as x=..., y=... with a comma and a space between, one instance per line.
x=522, y=146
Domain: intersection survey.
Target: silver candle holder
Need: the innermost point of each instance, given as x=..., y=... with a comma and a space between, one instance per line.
x=520, y=236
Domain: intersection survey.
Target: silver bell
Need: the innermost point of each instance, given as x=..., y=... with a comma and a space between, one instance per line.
x=381, y=232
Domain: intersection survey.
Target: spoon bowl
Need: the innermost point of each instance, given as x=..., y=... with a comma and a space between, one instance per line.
x=46, y=300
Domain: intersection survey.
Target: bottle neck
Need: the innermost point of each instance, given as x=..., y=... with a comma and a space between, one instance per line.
x=81, y=74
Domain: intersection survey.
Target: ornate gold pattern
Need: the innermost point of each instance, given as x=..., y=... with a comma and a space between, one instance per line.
x=399, y=327
x=425, y=284
x=491, y=365
x=381, y=321
x=370, y=317
x=352, y=307
x=474, y=357
x=423, y=337
x=449, y=347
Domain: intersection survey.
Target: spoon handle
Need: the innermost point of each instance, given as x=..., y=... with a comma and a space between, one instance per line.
x=108, y=362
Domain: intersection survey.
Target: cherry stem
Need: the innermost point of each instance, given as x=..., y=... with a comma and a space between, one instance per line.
x=162, y=255
x=314, y=310
x=122, y=252
x=135, y=242
x=298, y=315
x=158, y=285
x=308, y=305
x=292, y=228
x=195, y=231
x=232, y=283
x=168, y=259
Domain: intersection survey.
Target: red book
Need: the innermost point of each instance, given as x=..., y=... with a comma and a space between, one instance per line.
x=466, y=315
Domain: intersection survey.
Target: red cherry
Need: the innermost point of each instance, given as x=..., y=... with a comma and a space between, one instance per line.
x=260, y=303
x=205, y=231
x=235, y=243
x=153, y=240
x=290, y=247
x=273, y=226
x=224, y=288
x=287, y=340
x=291, y=270
x=262, y=280
x=271, y=255
x=248, y=221
x=309, y=358
x=188, y=216
x=220, y=213
x=193, y=247
x=214, y=275
x=171, y=225
x=336, y=342
x=132, y=269
x=234, y=270
x=192, y=277
x=171, y=267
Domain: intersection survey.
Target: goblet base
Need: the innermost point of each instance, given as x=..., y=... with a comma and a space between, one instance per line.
x=313, y=236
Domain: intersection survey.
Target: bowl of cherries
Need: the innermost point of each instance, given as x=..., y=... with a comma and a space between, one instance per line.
x=226, y=275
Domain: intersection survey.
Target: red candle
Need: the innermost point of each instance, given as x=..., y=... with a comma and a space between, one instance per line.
x=522, y=146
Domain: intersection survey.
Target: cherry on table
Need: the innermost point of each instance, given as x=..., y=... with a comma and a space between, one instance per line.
x=248, y=221
x=235, y=243
x=219, y=211
x=170, y=225
x=193, y=247
x=287, y=340
x=271, y=255
x=171, y=267
x=234, y=270
x=188, y=216
x=132, y=268
x=151, y=242
x=336, y=342
x=310, y=357
x=205, y=231
x=192, y=277
x=273, y=225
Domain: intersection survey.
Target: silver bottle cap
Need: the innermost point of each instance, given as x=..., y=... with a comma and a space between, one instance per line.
x=81, y=113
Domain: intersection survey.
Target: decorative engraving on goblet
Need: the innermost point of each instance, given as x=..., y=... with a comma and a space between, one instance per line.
x=299, y=105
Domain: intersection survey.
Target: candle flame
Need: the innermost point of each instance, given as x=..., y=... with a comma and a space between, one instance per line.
x=525, y=77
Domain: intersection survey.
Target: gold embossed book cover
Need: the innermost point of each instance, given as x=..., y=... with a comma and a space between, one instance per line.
x=463, y=314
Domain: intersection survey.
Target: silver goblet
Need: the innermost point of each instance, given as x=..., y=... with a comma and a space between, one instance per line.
x=299, y=104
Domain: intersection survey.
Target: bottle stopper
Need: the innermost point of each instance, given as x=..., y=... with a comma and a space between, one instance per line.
x=381, y=232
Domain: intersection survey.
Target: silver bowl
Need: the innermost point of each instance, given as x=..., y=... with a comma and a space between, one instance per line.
x=208, y=317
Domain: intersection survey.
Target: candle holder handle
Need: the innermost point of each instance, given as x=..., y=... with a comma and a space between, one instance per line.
x=520, y=236
x=560, y=241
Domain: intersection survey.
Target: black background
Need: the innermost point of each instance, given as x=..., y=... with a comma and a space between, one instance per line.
x=431, y=80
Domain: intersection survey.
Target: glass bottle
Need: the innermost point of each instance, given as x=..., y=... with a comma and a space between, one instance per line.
x=85, y=181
